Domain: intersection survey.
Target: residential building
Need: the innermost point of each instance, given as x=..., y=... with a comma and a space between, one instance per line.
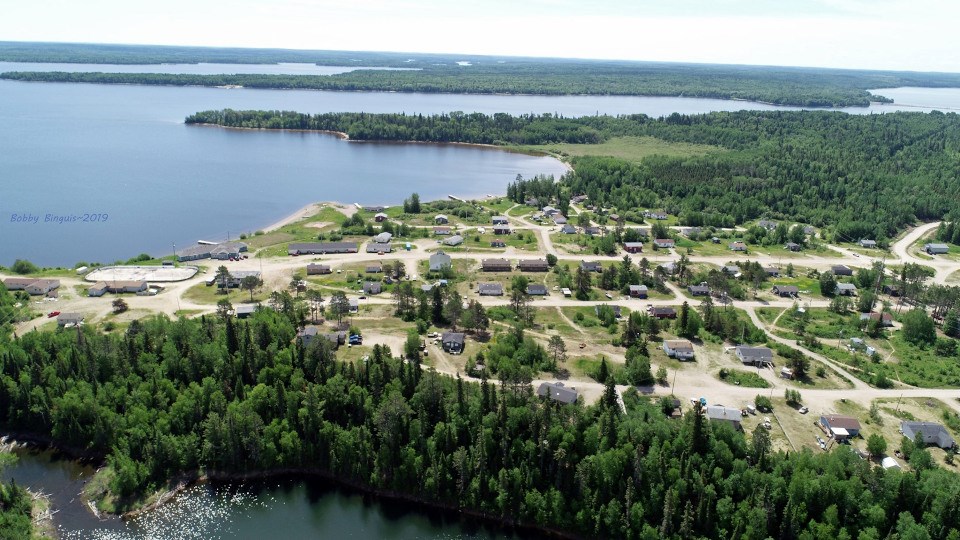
x=867, y=243
x=236, y=277
x=616, y=310
x=354, y=305
x=314, y=269
x=501, y=230
x=380, y=217
x=592, y=231
x=681, y=349
x=885, y=319
x=374, y=247
x=537, y=289
x=766, y=224
x=383, y=238
x=737, y=246
x=892, y=290
x=374, y=209
x=495, y=265
x=936, y=249
x=792, y=246
x=557, y=392
x=772, y=271
x=69, y=319
x=33, y=286
x=699, y=290
x=441, y=219
x=614, y=217
x=453, y=342
x=244, y=310
x=840, y=426
x=372, y=287
x=550, y=211
x=321, y=248
x=373, y=269
x=577, y=199
x=633, y=247
x=728, y=415
x=454, y=240
x=756, y=356
x=669, y=268
x=664, y=243
x=786, y=290
x=568, y=229
x=846, y=289
x=731, y=269
x=439, y=260
x=638, y=291
x=442, y=231
x=559, y=219
x=533, y=265
x=930, y=432
x=591, y=266
x=116, y=287
x=841, y=270
x=490, y=289
x=663, y=312
x=500, y=220
x=97, y=289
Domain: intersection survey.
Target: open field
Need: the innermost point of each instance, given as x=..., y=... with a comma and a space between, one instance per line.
x=634, y=149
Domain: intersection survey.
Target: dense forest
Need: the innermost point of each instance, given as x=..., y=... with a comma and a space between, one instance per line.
x=808, y=87
x=236, y=396
x=864, y=176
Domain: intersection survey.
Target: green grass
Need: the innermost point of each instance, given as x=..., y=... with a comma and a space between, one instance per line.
x=523, y=240
x=768, y=314
x=742, y=378
x=807, y=286
x=202, y=294
x=634, y=149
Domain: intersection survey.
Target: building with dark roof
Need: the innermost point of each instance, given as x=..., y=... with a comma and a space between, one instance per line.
x=453, y=342
x=490, y=289
x=930, y=432
x=533, y=265
x=557, y=392
x=756, y=356
x=321, y=248
x=537, y=289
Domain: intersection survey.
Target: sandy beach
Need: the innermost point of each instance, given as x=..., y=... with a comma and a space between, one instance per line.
x=311, y=210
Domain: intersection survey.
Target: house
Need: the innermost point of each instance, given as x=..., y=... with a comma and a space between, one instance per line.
x=669, y=268
x=867, y=243
x=559, y=220
x=731, y=269
x=383, y=238
x=501, y=230
x=441, y=219
x=892, y=290
x=531, y=201
x=840, y=426
x=615, y=217
x=97, y=289
x=374, y=247
x=550, y=211
x=681, y=349
x=841, y=270
x=454, y=240
x=737, y=246
x=442, y=231
x=490, y=289
x=757, y=356
x=495, y=265
x=374, y=209
x=592, y=231
x=663, y=312
x=772, y=271
x=664, y=243
x=236, y=277
x=314, y=269
x=936, y=249
x=353, y=305
x=33, y=286
x=768, y=225
x=690, y=232
x=380, y=217
x=568, y=229
x=638, y=291
x=373, y=269
x=845, y=289
x=533, y=265
x=311, y=333
x=792, y=246
x=699, y=290
x=321, y=248
x=557, y=392
x=372, y=287
x=616, y=310
x=222, y=251
x=498, y=244
x=439, y=260
x=537, y=289
x=452, y=342
x=633, y=247
x=66, y=320
x=786, y=291
x=591, y=266
x=500, y=220
x=728, y=415
x=660, y=216
x=577, y=199
x=885, y=319
x=930, y=432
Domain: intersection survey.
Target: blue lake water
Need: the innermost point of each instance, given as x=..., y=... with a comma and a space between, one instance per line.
x=289, y=68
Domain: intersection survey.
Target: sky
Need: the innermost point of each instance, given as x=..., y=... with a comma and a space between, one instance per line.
x=914, y=35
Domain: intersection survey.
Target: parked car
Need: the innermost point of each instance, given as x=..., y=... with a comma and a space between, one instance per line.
x=53, y=314
x=804, y=410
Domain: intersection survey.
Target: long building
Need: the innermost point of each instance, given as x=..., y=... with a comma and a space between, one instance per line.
x=321, y=248
x=222, y=251
x=33, y=286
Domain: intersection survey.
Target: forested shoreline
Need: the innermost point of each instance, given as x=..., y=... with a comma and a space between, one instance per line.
x=864, y=176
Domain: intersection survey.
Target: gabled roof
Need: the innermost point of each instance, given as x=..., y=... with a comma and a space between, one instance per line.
x=452, y=337
x=718, y=412
x=931, y=432
x=679, y=345
x=557, y=392
x=536, y=289
x=842, y=421
x=454, y=240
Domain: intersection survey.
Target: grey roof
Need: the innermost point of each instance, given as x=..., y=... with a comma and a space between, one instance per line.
x=490, y=289
x=631, y=245
x=936, y=246
x=663, y=310
x=374, y=247
x=568, y=229
x=454, y=240
x=536, y=289
x=322, y=247
x=846, y=287
x=438, y=260
x=453, y=337
x=729, y=414
x=591, y=266
x=638, y=288
x=931, y=432
x=698, y=289
x=841, y=270
x=499, y=219
x=557, y=392
x=66, y=318
x=383, y=238
x=244, y=309
x=615, y=308
x=495, y=264
x=372, y=287
x=789, y=289
x=533, y=264
x=731, y=269
x=753, y=355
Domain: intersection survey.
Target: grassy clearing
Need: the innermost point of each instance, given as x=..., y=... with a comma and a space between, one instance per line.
x=202, y=294
x=634, y=149
x=739, y=377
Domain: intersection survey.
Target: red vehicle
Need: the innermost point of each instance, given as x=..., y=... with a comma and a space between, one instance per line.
x=52, y=314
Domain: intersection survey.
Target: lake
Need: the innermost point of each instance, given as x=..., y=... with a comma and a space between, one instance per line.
x=123, y=153
x=193, y=69
x=254, y=510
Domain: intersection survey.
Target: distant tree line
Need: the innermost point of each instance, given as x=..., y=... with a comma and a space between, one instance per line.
x=858, y=176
